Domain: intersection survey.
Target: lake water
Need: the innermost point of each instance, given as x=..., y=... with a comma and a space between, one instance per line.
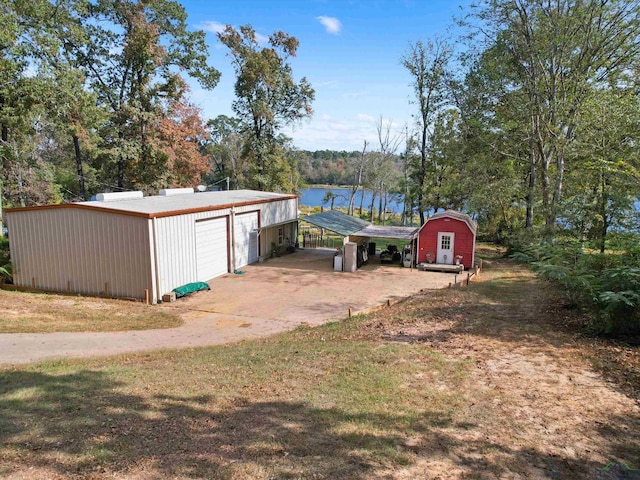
x=312, y=197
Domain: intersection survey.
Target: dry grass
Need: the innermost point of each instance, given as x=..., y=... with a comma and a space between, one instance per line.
x=42, y=313
x=490, y=381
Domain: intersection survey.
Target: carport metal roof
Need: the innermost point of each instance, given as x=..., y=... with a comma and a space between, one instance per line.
x=338, y=222
x=381, y=231
x=346, y=225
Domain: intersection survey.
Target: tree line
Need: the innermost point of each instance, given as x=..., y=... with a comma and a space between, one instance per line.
x=528, y=120
x=537, y=124
x=94, y=97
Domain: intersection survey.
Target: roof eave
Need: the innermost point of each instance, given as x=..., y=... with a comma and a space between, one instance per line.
x=166, y=213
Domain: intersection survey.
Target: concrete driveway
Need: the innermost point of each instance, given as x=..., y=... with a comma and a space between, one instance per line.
x=303, y=288
x=269, y=297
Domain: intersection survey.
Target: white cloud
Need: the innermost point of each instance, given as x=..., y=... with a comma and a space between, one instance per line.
x=363, y=117
x=331, y=83
x=217, y=27
x=331, y=24
x=261, y=38
x=211, y=26
x=328, y=132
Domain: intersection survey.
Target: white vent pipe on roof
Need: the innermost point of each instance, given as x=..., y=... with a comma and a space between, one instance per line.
x=167, y=192
x=113, y=196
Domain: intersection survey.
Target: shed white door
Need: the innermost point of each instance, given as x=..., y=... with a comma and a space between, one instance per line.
x=245, y=227
x=212, y=249
x=445, y=248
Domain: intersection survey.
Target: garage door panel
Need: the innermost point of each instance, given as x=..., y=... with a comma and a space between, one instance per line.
x=211, y=248
x=246, y=240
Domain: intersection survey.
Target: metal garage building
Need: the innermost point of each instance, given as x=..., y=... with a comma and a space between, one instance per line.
x=130, y=246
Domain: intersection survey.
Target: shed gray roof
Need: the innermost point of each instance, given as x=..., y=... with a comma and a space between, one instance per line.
x=338, y=222
x=463, y=217
x=163, y=206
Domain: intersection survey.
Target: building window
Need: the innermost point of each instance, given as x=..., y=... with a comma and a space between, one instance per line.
x=446, y=242
x=280, y=235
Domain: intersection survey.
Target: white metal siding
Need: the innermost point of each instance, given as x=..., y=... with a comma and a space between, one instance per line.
x=176, y=248
x=81, y=250
x=278, y=212
x=211, y=248
x=245, y=242
x=176, y=242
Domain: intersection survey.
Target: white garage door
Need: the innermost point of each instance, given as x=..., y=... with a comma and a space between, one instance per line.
x=211, y=248
x=246, y=239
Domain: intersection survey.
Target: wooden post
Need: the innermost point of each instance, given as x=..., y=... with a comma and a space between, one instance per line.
x=480, y=264
x=106, y=288
x=349, y=312
x=477, y=270
x=68, y=286
x=388, y=303
x=468, y=278
x=146, y=296
x=33, y=282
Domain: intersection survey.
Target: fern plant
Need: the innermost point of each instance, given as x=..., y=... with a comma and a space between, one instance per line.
x=606, y=286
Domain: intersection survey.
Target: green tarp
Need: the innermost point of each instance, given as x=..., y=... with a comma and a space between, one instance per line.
x=190, y=288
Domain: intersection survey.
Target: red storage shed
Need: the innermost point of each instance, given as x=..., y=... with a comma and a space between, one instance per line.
x=448, y=237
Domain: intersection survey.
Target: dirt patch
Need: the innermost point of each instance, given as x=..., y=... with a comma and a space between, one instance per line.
x=537, y=406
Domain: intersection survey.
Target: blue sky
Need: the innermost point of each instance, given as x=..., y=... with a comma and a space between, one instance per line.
x=350, y=51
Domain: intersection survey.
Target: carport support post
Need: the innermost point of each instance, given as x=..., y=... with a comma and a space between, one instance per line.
x=232, y=219
x=412, y=253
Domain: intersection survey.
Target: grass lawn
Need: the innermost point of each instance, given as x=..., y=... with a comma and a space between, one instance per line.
x=490, y=381
x=41, y=313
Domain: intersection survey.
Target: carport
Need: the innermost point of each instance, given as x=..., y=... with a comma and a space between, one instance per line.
x=338, y=222
x=360, y=231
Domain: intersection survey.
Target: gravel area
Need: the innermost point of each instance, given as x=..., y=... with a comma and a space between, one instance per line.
x=270, y=297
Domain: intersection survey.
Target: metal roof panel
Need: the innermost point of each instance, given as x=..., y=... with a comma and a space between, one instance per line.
x=338, y=222
x=158, y=204
x=388, y=231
